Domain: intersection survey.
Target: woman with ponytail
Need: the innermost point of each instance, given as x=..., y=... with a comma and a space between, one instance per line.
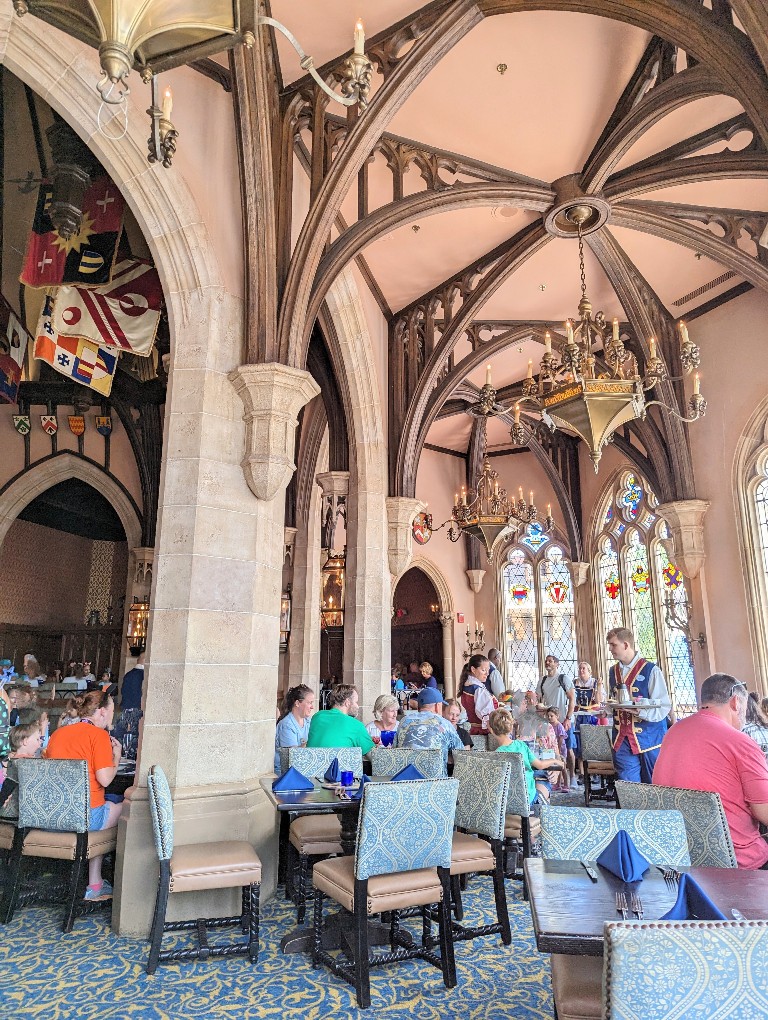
x=293, y=726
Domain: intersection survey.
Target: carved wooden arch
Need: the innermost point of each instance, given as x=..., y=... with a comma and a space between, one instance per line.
x=320, y=368
x=753, y=14
x=690, y=170
x=313, y=429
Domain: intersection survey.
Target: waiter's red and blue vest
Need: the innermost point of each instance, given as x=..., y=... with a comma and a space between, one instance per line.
x=640, y=734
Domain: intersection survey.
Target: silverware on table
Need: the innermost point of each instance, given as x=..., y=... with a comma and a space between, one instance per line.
x=637, y=905
x=737, y=914
x=621, y=906
x=671, y=876
x=589, y=870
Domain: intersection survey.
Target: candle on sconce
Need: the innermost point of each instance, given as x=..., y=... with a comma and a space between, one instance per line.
x=615, y=330
x=456, y=499
x=530, y=369
x=167, y=103
x=652, y=348
x=696, y=385
x=520, y=490
x=517, y=411
x=530, y=500
x=683, y=333
x=549, y=509
x=359, y=37
x=488, y=375
x=547, y=342
x=569, y=330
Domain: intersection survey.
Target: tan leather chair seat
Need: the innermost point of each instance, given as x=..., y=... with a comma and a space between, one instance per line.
x=7, y=831
x=315, y=835
x=577, y=985
x=336, y=878
x=601, y=768
x=469, y=853
x=214, y=866
x=61, y=846
x=513, y=826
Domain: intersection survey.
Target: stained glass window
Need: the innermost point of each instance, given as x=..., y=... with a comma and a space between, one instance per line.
x=534, y=537
x=677, y=657
x=609, y=592
x=630, y=497
x=556, y=601
x=640, y=600
x=761, y=505
x=521, y=642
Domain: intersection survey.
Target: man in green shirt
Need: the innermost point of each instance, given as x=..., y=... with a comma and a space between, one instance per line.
x=337, y=725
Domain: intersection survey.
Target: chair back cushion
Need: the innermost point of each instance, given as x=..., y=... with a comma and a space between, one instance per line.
x=386, y=761
x=709, y=838
x=161, y=806
x=54, y=793
x=483, y=790
x=595, y=742
x=686, y=970
x=313, y=761
x=405, y=826
x=518, y=801
x=574, y=833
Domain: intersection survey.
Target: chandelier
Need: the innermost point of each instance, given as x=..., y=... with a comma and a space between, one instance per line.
x=594, y=399
x=157, y=35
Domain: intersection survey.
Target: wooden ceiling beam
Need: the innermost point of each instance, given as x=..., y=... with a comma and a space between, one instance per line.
x=753, y=14
x=720, y=166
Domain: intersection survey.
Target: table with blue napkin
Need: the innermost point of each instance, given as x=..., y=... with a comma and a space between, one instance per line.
x=358, y=793
x=407, y=772
x=333, y=772
x=622, y=858
x=692, y=904
x=292, y=781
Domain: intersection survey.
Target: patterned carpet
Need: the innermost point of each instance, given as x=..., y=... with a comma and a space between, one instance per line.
x=93, y=973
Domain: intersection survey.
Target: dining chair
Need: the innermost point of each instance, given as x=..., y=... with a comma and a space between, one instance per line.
x=481, y=812
x=54, y=811
x=685, y=970
x=402, y=859
x=313, y=837
x=597, y=760
x=221, y=865
x=575, y=833
x=386, y=761
x=709, y=838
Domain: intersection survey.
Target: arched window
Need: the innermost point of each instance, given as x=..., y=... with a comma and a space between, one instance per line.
x=751, y=490
x=537, y=609
x=638, y=587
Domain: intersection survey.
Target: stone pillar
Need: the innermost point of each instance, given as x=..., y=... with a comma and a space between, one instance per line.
x=304, y=646
x=139, y=585
x=446, y=621
x=213, y=642
x=335, y=489
x=401, y=511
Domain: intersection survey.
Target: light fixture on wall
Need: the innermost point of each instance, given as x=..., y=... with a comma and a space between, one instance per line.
x=158, y=35
x=285, y=618
x=332, y=585
x=138, y=617
x=476, y=643
x=594, y=400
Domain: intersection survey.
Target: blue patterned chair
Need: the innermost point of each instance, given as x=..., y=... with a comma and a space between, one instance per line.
x=386, y=761
x=709, y=838
x=223, y=865
x=481, y=812
x=313, y=836
x=402, y=859
x=686, y=970
x=573, y=833
x=597, y=760
x=54, y=810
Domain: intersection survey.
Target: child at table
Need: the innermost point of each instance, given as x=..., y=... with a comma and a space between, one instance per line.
x=502, y=726
x=26, y=740
x=553, y=718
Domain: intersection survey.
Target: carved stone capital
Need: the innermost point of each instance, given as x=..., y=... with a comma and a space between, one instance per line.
x=475, y=579
x=446, y=619
x=685, y=520
x=272, y=397
x=579, y=572
x=289, y=537
x=401, y=511
x=334, y=483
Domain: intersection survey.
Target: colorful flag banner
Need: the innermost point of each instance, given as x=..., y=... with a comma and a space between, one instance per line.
x=78, y=359
x=125, y=313
x=88, y=256
x=13, y=347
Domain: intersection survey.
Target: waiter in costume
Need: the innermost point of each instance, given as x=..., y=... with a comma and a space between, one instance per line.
x=637, y=732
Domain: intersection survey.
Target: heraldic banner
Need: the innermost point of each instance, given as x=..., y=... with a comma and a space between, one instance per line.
x=88, y=256
x=13, y=347
x=124, y=314
x=74, y=357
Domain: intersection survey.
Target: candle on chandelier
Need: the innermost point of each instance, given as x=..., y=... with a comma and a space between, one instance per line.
x=547, y=342
x=167, y=103
x=517, y=411
x=549, y=509
x=696, y=385
x=652, y=348
x=683, y=333
x=530, y=369
x=520, y=490
x=530, y=499
x=456, y=499
x=569, y=330
x=615, y=330
x=359, y=37
x=463, y=495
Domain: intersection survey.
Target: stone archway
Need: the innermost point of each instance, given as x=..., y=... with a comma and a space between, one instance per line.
x=446, y=616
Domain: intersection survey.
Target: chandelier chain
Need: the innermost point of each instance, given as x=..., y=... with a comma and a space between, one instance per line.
x=581, y=264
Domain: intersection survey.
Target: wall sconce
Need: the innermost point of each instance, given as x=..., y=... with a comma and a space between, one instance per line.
x=332, y=591
x=435, y=610
x=285, y=618
x=138, y=617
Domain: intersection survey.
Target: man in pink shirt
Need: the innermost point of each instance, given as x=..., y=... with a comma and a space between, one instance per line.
x=708, y=751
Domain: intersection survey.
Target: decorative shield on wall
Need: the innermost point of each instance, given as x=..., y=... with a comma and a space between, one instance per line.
x=76, y=423
x=49, y=423
x=421, y=528
x=103, y=425
x=21, y=423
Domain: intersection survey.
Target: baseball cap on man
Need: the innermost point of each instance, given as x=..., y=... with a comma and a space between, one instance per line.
x=430, y=696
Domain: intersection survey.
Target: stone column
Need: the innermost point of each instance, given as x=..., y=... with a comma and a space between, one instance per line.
x=335, y=490
x=139, y=585
x=446, y=620
x=304, y=647
x=213, y=642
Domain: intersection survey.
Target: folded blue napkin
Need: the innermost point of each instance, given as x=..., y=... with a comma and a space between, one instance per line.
x=692, y=904
x=622, y=858
x=333, y=772
x=357, y=795
x=291, y=781
x=408, y=772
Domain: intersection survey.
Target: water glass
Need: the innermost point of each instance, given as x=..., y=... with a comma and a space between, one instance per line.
x=347, y=778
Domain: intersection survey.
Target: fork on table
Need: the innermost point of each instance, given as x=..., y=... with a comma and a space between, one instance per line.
x=621, y=905
x=670, y=876
x=637, y=905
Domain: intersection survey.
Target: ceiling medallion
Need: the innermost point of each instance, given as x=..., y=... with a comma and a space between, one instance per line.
x=593, y=399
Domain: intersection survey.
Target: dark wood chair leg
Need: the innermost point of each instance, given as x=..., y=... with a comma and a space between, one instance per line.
x=75, y=877
x=12, y=882
x=525, y=830
x=245, y=908
x=301, y=891
x=587, y=783
x=445, y=932
x=163, y=888
x=317, y=928
x=254, y=892
x=458, y=906
x=362, y=963
x=500, y=894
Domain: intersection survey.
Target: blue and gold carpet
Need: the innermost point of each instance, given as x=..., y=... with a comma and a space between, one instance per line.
x=93, y=974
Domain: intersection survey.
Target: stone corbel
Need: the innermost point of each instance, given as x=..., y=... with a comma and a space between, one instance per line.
x=289, y=537
x=475, y=579
x=579, y=572
x=685, y=520
x=272, y=397
x=401, y=511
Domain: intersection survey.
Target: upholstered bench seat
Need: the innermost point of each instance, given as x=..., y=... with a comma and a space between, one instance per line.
x=600, y=768
x=470, y=854
x=336, y=878
x=513, y=826
x=62, y=846
x=577, y=986
x=316, y=835
x=222, y=865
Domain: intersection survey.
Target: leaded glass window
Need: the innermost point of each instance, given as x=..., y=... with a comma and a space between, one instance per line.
x=556, y=599
x=761, y=506
x=641, y=618
x=609, y=591
x=521, y=641
x=677, y=656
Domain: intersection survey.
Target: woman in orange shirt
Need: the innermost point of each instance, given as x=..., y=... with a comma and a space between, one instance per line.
x=88, y=739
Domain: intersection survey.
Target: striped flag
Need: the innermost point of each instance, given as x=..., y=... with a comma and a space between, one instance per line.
x=123, y=314
x=75, y=357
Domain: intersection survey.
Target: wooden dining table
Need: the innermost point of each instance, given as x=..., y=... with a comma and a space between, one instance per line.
x=569, y=909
